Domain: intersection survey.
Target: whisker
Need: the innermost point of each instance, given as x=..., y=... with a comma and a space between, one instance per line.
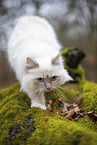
x=62, y=94
x=21, y=89
x=37, y=96
x=54, y=93
x=37, y=90
x=65, y=90
x=57, y=93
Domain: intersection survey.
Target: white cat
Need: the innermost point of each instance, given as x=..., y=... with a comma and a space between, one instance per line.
x=34, y=54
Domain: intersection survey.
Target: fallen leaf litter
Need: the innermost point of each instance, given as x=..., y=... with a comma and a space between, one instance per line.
x=71, y=110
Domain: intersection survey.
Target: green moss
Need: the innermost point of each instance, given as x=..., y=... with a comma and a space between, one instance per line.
x=56, y=131
x=7, y=91
x=79, y=72
x=88, y=122
x=89, y=93
x=50, y=127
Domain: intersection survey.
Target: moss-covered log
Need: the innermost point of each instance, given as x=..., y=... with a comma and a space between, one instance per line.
x=20, y=124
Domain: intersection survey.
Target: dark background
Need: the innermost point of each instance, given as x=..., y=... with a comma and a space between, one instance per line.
x=75, y=22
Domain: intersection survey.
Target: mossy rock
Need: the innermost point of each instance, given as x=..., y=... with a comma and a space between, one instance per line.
x=22, y=125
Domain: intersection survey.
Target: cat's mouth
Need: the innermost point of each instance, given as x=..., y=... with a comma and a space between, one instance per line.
x=48, y=89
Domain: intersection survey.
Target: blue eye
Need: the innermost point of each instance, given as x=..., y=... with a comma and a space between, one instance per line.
x=54, y=78
x=40, y=80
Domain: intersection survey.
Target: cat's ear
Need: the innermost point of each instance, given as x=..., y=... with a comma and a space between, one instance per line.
x=31, y=63
x=56, y=59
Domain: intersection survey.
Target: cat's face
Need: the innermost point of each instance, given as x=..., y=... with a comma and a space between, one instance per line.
x=48, y=79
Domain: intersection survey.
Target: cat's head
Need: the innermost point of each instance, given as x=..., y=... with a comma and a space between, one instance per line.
x=46, y=75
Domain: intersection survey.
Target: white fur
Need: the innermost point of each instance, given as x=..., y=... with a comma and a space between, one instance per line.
x=35, y=38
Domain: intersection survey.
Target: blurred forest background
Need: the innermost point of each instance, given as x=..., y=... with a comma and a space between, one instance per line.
x=75, y=22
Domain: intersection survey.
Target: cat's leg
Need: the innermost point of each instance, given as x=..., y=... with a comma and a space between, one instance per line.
x=38, y=100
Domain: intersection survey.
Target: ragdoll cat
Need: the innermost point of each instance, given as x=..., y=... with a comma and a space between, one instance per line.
x=34, y=55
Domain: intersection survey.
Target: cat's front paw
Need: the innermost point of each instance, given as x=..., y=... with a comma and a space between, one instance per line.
x=39, y=105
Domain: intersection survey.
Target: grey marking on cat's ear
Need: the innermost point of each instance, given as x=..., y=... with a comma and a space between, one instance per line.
x=31, y=63
x=56, y=59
